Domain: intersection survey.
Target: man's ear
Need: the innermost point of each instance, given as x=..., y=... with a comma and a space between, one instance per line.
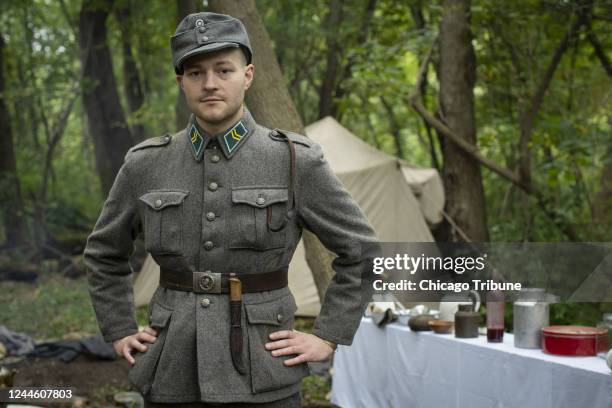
x=249, y=72
x=179, y=80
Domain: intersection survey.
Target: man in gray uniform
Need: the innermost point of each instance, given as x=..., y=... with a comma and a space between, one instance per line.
x=222, y=205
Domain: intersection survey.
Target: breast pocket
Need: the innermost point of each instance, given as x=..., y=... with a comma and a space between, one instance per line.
x=163, y=221
x=253, y=210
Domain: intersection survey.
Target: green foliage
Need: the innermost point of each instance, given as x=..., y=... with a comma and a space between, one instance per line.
x=314, y=388
x=514, y=42
x=43, y=71
x=585, y=314
x=51, y=308
x=566, y=313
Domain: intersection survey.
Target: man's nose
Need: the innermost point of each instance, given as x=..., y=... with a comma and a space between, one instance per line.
x=210, y=83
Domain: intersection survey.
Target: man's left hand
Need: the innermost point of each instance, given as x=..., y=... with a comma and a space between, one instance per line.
x=308, y=347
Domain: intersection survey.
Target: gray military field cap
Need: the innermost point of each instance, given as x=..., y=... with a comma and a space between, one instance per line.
x=201, y=33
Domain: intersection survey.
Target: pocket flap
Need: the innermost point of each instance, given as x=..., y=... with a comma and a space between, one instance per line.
x=160, y=316
x=259, y=197
x=158, y=200
x=275, y=312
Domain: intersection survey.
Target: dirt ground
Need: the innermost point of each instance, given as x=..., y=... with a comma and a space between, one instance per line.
x=95, y=380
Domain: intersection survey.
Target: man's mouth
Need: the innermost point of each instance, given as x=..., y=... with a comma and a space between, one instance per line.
x=210, y=100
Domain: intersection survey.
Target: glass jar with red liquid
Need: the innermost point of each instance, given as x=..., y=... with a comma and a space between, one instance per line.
x=496, y=304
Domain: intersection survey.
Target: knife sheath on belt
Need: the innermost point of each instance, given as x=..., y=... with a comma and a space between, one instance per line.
x=235, y=328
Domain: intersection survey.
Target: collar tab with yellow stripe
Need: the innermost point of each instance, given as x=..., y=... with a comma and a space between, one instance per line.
x=197, y=141
x=229, y=140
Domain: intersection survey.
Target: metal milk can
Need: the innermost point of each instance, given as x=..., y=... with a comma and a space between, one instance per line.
x=531, y=314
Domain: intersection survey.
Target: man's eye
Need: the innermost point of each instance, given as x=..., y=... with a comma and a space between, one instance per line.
x=193, y=74
x=226, y=71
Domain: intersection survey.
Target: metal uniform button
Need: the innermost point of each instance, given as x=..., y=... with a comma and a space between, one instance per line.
x=205, y=302
x=213, y=186
x=279, y=317
x=208, y=245
x=158, y=203
x=261, y=201
x=210, y=216
x=214, y=158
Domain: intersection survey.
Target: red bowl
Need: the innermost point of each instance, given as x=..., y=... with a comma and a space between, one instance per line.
x=574, y=340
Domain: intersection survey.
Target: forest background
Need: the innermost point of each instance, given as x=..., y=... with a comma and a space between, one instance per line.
x=509, y=100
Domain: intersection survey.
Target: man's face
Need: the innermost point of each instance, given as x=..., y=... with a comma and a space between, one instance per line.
x=215, y=83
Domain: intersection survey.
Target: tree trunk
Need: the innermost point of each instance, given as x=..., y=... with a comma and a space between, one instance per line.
x=107, y=124
x=465, y=201
x=131, y=78
x=10, y=190
x=268, y=98
x=181, y=110
x=394, y=127
x=269, y=101
x=334, y=54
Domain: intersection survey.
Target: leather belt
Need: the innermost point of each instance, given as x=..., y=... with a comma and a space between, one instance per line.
x=235, y=285
x=216, y=282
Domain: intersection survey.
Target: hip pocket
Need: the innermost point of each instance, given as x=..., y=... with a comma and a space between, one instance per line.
x=163, y=221
x=269, y=372
x=142, y=373
x=253, y=210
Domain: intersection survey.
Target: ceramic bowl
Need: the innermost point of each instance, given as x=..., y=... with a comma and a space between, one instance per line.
x=441, y=326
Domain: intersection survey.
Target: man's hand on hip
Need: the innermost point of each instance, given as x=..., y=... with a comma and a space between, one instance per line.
x=124, y=346
x=308, y=347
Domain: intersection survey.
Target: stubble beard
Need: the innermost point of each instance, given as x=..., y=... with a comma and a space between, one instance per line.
x=218, y=117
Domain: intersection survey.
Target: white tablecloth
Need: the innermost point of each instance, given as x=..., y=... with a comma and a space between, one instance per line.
x=395, y=367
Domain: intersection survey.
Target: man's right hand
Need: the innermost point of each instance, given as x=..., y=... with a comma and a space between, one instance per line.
x=124, y=346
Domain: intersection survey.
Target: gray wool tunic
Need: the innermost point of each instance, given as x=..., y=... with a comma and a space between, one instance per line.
x=201, y=209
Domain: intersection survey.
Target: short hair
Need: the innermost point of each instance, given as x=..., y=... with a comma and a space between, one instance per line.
x=245, y=57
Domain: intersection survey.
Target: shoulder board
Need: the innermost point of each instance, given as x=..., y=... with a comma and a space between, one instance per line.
x=152, y=142
x=277, y=134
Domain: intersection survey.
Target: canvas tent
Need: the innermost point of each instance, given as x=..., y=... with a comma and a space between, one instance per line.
x=399, y=200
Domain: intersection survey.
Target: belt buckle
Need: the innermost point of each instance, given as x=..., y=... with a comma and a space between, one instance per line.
x=207, y=282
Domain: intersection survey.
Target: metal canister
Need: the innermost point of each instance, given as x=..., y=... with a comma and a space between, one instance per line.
x=531, y=314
